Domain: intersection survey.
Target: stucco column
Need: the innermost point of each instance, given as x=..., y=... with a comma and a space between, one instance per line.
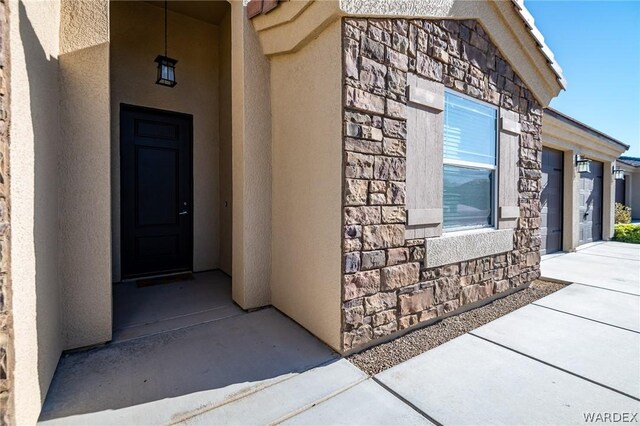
x=251, y=162
x=608, y=200
x=570, y=215
x=84, y=196
x=628, y=190
x=34, y=184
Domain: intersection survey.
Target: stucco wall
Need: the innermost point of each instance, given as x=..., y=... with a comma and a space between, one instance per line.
x=570, y=202
x=608, y=200
x=226, y=189
x=251, y=162
x=136, y=39
x=306, y=99
x=34, y=188
x=84, y=197
x=83, y=170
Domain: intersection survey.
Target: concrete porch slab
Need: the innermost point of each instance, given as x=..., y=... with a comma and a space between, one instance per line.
x=598, y=304
x=611, y=265
x=141, y=311
x=284, y=399
x=367, y=403
x=176, y=323
x=471, y=381
x=607, y=355
x=156, y=379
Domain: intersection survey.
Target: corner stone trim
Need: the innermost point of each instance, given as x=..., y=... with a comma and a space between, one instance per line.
x=387, y=283
x=472, y=245
x=6, y=324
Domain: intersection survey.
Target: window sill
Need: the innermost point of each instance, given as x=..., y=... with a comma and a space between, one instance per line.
x=459, y=246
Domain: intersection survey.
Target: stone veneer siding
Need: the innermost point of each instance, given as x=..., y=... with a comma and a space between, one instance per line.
x=6, y=361
x=385, y=285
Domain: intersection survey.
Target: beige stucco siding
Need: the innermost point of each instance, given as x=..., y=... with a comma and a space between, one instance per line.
x=251, y=162
x=84, y=197
x=136, y=39
x=226, y=181
x=306, y=247
x=34, y=188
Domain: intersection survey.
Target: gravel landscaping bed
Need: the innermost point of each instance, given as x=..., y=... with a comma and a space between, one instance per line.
x=379, y=358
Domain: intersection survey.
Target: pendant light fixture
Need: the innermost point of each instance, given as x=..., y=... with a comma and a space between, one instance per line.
x=166, y=65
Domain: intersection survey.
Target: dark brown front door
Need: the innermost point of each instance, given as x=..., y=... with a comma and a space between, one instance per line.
x=551, y=200
x=156, y=195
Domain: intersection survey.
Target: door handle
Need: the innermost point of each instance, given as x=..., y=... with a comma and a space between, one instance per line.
x=183, y=212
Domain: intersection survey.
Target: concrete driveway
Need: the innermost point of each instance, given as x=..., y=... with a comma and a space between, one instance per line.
x=609, y=265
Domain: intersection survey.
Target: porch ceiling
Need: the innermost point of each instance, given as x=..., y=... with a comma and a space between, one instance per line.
x=212, y=11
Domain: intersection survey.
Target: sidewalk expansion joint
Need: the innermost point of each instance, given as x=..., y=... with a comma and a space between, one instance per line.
x=608, y=289
x=585, y=318
x=556, y=367
x=407, y=402
x=611, y=257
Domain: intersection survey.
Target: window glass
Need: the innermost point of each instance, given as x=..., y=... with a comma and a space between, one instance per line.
x=469, y=130
x=468, y=197
x=469, y=163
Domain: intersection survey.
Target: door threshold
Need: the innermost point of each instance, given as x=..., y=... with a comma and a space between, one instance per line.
x=150, y=277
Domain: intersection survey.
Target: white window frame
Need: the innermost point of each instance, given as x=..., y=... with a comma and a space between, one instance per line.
x=474, y=165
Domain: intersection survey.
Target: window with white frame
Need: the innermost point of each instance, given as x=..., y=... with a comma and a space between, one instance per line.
x=469, y=156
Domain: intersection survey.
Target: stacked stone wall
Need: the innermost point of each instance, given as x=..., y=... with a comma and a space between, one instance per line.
x=6, y=335
x=385, y=285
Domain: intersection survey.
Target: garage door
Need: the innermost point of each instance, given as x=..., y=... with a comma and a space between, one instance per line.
x=591, y=204
x=551, y=200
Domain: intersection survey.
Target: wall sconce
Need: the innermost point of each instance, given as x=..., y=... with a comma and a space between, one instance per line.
x=583, y=165
x=618, y=173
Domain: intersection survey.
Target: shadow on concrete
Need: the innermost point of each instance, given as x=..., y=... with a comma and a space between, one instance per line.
x=159, y=378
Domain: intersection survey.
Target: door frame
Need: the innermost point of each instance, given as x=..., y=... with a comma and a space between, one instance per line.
x=124, y=107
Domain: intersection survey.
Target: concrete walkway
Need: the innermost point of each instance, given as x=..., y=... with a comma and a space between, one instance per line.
x=570, y=355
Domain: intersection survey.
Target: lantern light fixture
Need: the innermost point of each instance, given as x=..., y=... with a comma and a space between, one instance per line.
x=583, y=165
x=618, y=173
x=166, y=65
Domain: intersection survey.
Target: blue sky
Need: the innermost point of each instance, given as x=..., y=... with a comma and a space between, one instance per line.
x=597, y=44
